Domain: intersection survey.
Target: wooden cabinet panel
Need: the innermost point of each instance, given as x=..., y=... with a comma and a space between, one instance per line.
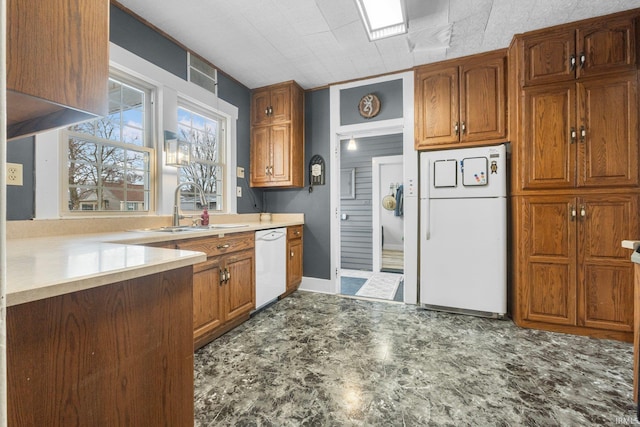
x=437, y=110
x=461, y=101
x=548, y=144
x=548, y=245
x=277, y=136
x=294, y=258
x=606, y=277
x=57, y=63
x=483, y=100
x=218, y=245
x=239, y=289
x=206, y=297
x=607, y=131
x=548, y=57
x=573, y=271
x=280, y=154
x=606, y=46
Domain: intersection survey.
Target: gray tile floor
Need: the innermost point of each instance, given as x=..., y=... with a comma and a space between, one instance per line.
x=324, y=360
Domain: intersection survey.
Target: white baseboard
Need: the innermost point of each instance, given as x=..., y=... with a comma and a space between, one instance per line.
x=313, y=284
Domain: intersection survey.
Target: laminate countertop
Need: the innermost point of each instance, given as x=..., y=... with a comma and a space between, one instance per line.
x=44, y=267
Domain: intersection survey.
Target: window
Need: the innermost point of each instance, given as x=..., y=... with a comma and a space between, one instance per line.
x=204, y=131
x=109, y=158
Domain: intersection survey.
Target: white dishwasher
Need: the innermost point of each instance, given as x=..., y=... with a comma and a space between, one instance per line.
x=271, y=265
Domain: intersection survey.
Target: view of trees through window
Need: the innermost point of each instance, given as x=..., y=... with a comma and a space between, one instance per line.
x=207, y=167
x=108, y=157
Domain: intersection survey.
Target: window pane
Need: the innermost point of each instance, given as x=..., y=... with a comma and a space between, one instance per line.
x=104, y=174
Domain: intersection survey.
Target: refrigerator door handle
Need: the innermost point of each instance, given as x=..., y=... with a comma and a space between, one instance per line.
x=427, y=201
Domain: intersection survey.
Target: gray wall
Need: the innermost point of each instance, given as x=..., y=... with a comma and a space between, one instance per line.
x=21, y=199
x=356, y=246
x=315, y=205
x=389, y=93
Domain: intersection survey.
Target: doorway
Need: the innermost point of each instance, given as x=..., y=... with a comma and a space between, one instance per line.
x=368, y=228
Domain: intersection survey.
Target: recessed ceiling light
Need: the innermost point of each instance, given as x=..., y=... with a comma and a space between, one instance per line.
x=383, y=18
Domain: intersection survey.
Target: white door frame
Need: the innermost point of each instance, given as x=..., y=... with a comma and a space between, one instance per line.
x=377, y=164
x=402, y=125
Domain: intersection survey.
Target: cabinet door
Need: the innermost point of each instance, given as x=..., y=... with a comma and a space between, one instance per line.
x=437, y=110
x=260, y=103
x=606, y=46
x=280, y=104
x=206, y=297
x=239, y=290
x=547, y=289
x=608, y=134
x=483, y=100
x=294, y=264
x=280, y=168
x=605, y=276
x=548, y=148
x=260, y=155
x=549, y=57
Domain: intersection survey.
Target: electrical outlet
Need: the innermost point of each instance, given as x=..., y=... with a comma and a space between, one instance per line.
x=239, y=191
x=240, y=172
x=14, y=174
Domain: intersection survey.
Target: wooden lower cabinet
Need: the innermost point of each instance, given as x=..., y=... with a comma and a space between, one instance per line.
x=572, y=274
x=114, y=355
x=294, y=259
x=223, y=286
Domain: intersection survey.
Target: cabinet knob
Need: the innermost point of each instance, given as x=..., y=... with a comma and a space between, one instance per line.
x=572, y=135
x=583, y=60
x=583, y=133
x=222, y=277
x=572, y=63
x=266, y=111
x=455, y=128
x=464, y=128
x=583, y=211
x=227, y=274
x=572, y=212
x=297, y=232
x=291, y=254
x=266, y=170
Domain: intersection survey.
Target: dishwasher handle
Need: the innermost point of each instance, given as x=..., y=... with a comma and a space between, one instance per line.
x=272, y=236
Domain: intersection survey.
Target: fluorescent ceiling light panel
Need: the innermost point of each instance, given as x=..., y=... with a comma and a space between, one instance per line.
x=382, y=18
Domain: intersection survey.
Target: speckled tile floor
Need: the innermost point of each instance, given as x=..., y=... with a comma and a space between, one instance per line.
x=324, y=360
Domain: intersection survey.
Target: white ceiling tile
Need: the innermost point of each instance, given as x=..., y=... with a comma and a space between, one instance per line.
x=318, y=42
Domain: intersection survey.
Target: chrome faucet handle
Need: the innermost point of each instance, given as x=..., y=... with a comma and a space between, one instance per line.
x=194, y=221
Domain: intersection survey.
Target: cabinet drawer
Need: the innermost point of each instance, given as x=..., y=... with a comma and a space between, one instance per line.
x=218, y=245
x=294, y=232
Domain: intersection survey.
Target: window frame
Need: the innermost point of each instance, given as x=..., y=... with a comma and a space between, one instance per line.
x=149, y=147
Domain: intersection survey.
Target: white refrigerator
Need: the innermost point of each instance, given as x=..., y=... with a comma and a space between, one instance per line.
x=463, y=226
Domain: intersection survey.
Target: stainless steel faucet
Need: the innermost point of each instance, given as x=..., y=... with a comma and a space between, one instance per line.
x=176, y=210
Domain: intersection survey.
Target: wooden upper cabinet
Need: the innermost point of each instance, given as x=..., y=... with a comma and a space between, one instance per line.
x=548, y=136
x=461, y=101
x=607, y=152
x=548, y=56
x=271, y=105
x=483, y=99
x=605, y=46
x=437, y=111
x=570, y=52
x=57, y=63
x=277, y=136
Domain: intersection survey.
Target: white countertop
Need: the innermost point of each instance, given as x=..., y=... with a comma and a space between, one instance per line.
x=43, y=267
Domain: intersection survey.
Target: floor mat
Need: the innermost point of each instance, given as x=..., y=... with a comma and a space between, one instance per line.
x=381, y=285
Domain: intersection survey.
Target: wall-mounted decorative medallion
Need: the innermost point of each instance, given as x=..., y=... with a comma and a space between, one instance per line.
x=369, y=106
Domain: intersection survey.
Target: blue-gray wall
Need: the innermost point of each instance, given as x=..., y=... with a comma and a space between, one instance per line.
x=21, y=199
x=314, y=205
x=389, y=93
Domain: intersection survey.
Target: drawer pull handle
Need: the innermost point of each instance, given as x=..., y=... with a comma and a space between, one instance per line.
x=573, y=135
x=228, y=275
x=223, y=277
x=291, y=254
x=572, y=211
x=572, y=63
x=297, y=233
x=225, y=246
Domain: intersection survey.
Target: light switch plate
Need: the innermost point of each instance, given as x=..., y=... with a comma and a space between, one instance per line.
x=240, y=172
x=14, y=174
x=239, y=191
